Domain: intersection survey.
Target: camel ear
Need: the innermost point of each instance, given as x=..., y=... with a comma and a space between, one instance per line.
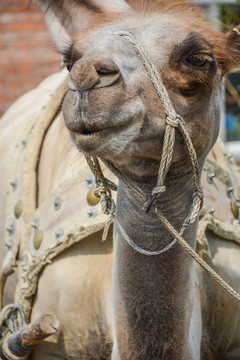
x=67, y=19
x=233, y=47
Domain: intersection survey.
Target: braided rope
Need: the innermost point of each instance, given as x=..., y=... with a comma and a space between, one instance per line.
x=193, y=156
x=154, y=76
x=168, y=145
x=173, y=121
x=138, y=248
x=195, y=256
x=103, y=192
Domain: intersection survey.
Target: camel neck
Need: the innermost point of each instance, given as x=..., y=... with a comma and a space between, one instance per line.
x=152, y=294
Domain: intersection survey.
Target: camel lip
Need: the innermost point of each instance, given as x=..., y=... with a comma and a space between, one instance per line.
x=89, y=132
x=85, y=134
x=89, y=141
x=101, y=132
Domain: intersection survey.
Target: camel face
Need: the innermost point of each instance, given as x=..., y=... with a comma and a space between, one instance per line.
x=112, y=108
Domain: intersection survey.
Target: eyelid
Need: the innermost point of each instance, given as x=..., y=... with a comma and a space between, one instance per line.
x=203, y=53
x=65, y=65
x=192, y=44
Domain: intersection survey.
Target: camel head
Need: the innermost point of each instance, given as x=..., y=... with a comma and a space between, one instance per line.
x=111, y=108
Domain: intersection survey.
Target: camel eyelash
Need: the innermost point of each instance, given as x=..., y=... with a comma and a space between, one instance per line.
x=199, y=59
x=69, y=56
x=67, y=65
x=193, y=45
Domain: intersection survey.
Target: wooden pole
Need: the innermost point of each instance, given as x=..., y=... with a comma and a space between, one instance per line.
x=20, y=344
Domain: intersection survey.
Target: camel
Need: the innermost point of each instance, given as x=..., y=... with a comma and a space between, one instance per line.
x=112, y=301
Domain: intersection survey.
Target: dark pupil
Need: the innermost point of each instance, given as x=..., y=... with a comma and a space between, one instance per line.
x=69, y=67
x=197, y=60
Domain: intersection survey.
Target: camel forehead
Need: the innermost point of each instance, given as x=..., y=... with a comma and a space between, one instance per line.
x=158, y=34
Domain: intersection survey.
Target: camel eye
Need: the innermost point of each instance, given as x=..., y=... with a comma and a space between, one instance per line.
x=69, y=67
x=67, y=64
x=199, y=60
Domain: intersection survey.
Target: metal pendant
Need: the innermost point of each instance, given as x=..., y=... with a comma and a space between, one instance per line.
x=92, y=199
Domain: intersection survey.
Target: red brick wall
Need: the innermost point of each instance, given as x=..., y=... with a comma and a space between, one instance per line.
x=27, y=53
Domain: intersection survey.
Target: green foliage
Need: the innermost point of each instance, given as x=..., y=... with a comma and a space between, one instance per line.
x=229, y=15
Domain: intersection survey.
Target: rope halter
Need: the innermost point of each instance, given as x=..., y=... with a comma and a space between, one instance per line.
x=173, y=121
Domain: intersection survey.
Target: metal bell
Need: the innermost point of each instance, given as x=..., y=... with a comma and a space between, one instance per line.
x=92, y=199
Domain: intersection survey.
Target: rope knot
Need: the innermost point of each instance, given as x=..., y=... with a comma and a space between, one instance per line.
x=198, y=194
x=105, y=199
x=108, y=207
x=158, y=190
x=173, y=121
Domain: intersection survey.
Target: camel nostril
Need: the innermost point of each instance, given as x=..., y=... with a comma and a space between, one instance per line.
x=88, y=74
x=107, y=77
x=106, y=72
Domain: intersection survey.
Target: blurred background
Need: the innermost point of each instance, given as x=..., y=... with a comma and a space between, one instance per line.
x=28, y=55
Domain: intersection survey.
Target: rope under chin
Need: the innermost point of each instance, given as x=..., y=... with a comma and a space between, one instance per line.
x=173, y=121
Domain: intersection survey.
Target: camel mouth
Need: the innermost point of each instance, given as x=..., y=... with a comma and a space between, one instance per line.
x=94, y=134
x=108, y=136
x=86, y=133
x=89, y=132
x=90, y=140
x=101, y=132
